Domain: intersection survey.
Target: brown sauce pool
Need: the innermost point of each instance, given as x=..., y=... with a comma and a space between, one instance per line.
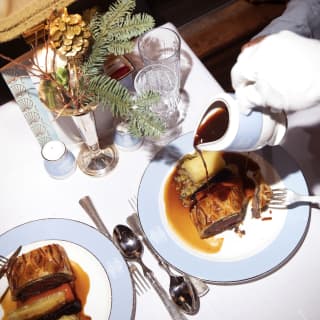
x=82, y=286
x=178, y=216
x=179, y=220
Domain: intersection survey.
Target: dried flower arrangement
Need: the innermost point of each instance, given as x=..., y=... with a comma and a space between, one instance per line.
x=72, y=79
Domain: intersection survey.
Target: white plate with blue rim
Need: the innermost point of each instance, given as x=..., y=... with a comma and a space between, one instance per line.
x=110, y=294
x=267, y=244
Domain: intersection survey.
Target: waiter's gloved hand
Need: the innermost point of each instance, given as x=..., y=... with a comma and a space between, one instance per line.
x=282, y=71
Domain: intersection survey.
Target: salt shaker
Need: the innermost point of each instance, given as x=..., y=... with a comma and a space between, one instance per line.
x=59, y=162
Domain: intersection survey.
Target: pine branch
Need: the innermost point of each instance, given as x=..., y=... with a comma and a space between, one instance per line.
x=131, y=27
x=95, y=24
x=146, y=99
x=110, y=93
x=120, y=48
x=106, y=30
x=142, y=123
x=94, y=63
x=113, y=33
x=117, y=11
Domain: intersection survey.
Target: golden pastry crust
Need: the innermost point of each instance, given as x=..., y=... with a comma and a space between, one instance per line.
x=38, y=270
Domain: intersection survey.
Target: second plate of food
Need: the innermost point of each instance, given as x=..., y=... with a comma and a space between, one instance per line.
x=102, y=279
x=256, y=247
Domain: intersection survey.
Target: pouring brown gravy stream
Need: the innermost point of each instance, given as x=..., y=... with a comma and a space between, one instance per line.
x=213, y=128
x=213, y=124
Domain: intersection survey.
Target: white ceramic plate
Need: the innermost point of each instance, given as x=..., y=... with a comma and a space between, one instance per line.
x=267, y=244
x=111, y=291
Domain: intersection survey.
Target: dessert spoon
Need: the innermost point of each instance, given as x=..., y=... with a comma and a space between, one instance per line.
x=182, y=290
x=132, y=249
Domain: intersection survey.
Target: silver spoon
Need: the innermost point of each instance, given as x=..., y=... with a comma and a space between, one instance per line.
x=183, y=293
x=182, y=289
x=132, y=249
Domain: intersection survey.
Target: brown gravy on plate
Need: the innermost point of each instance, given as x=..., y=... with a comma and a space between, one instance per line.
x=178, y=216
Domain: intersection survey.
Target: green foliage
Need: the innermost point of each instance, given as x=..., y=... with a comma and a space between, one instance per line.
x=141, y=120
x=145, y=99
x=113, y=34
x=62, y=76
x=106, y=91
x=118, y=11
x=131, y=27
x=142, y=123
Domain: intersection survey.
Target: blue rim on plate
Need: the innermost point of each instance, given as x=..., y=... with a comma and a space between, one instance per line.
x=122, y=300
x=279, y=251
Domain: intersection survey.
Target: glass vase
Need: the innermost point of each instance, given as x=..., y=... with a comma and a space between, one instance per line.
x=93, y=160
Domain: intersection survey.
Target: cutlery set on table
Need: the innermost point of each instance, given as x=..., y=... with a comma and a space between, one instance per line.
x=184, y=291
x=183, y=294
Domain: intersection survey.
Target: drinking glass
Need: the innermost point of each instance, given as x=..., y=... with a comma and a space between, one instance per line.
x=161, y=46
x=160, y=79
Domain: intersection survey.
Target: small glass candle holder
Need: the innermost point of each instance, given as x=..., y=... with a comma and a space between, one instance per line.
x=124, y=140
x=59, y=162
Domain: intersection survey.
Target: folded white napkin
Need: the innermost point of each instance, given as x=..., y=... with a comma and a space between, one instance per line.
x=282, y=72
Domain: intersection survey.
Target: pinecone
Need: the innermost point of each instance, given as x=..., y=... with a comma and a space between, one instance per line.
x=69, y=34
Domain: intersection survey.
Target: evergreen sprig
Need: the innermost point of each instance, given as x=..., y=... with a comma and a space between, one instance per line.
x=141, y=120
x=118, y=10
x=131, y=27
x=109, y=92
x=113, y=33
x=142, y=123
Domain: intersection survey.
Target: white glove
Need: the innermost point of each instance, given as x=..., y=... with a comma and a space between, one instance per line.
x=282, y=72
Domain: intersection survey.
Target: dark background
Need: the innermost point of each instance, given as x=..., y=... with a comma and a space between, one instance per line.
x=176, y=11
x=214, y=29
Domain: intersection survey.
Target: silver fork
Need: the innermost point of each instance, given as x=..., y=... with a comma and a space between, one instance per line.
x=3, y=265
x=201, y=287
x=140, y=282
x=282, y=198
x=5, y=262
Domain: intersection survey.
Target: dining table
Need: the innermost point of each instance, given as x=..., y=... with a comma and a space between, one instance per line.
x=28, y=193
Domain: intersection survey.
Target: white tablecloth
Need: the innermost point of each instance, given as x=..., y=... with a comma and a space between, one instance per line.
x=28, y=193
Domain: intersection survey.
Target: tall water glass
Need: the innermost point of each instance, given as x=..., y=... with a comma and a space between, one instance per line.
x=161, y=46
x=162, y=80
